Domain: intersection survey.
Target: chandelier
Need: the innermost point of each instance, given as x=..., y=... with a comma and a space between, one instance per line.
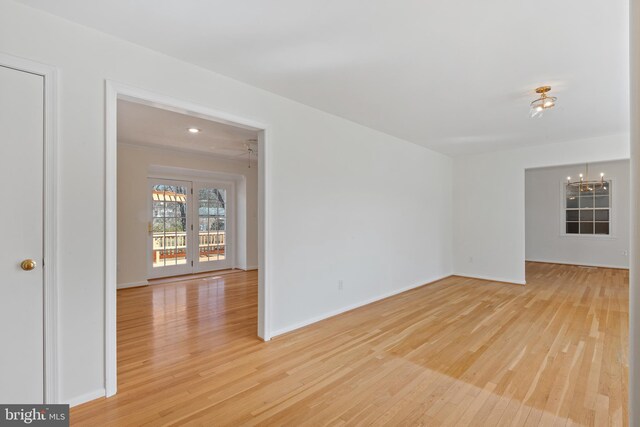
x=544, y=102
x=584, y=184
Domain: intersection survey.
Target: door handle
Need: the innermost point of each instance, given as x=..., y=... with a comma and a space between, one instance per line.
x=28, y=264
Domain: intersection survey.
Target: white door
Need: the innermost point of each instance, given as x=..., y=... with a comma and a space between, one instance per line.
x=170, y=238
x=212, y=211
x=21, y=252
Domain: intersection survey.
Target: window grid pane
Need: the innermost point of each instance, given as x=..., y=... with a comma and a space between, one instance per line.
x=588, y=212
x=211, y=218
x=169, y=225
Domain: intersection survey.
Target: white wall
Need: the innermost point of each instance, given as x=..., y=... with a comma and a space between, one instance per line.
x=134, y=162
x=544, y=213
x=489, y=202
x=347, y=202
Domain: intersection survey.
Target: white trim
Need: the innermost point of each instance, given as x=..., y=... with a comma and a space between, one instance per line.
x=491, y=278
x=50, y=279
x=264, y=236
x=141, y=96
x=182, y=150
x=249, y=268
x=87, y=397
x=350, y=307
x=132, y=284
x=589, y=236
x=186, y=174
x=111, y=229
x=115, y=91
x=543, y=261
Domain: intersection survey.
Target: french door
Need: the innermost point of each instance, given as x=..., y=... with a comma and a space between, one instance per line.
x=169, y=228
x=189, y=229
x=213, y=236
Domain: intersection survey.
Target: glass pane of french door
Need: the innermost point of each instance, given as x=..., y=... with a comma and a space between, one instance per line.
x=170, y=224
x=212, y=226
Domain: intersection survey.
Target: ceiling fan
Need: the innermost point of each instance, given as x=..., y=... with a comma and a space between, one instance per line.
x=251, y=147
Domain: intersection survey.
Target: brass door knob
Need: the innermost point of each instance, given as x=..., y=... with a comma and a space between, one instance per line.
x=28, y=264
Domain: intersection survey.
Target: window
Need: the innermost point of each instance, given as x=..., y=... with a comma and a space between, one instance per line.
x=588, y=210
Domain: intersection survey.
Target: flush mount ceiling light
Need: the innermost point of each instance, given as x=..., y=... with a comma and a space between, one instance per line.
x=545, y=102
x=193, y=130
x=584, y=184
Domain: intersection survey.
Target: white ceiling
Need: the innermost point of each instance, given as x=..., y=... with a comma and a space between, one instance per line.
x=453, y=75
x=144, y=125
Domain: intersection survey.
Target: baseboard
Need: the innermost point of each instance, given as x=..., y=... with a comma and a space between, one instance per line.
x=616, y=267
x=246, y=268
x=492, y=279
x=87, y=397
x=350, y=307
x=132, y=284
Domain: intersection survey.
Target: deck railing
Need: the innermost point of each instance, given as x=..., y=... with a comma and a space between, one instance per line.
x=174, y=245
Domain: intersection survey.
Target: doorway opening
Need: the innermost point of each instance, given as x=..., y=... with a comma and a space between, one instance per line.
x=577, y=215
x=187, y=201
x=187, y=187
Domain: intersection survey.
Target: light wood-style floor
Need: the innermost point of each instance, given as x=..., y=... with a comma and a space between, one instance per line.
x=456, y=352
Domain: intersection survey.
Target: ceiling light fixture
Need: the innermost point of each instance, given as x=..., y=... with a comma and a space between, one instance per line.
x=543, y=103
x=193, y=130
x=584, y=184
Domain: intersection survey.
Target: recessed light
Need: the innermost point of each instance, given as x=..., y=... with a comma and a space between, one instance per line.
x=194, y=130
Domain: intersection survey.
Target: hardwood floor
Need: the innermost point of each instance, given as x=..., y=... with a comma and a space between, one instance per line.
x=456, y=352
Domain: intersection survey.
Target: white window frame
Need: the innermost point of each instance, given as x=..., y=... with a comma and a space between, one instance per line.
x=612, y=215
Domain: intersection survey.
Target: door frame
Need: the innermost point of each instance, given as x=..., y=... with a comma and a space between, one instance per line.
x=198, y=176
x=192, y=225
x=50, y=220
x=115, y=91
